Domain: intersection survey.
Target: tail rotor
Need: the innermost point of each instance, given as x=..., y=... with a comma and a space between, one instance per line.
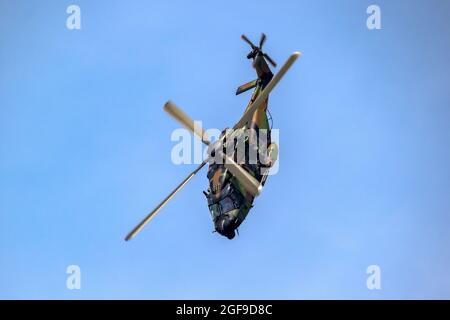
x=258, y=50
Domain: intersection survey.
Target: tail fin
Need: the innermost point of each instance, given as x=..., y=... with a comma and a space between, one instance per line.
x=247, y=86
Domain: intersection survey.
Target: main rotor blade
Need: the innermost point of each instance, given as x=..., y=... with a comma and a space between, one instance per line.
x=262, y=40
x=186, y=121
x=163, y=203
x=273, y=63
x=264, y=94
x=248, y=181
x=248, y=41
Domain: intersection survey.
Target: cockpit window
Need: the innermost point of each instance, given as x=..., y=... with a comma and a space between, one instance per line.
x=215, y=210
x=226, y=204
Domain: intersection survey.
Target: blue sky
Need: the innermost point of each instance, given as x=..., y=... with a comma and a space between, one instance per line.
x=85, y=146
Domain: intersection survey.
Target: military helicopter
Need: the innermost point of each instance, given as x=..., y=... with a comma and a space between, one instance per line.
x=234, y=180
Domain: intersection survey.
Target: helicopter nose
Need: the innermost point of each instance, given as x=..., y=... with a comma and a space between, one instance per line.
x=225, y=225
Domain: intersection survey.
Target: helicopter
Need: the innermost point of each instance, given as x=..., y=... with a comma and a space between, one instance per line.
x=238, y=163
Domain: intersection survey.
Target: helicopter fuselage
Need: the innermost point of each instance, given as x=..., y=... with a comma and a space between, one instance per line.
x=228, y=201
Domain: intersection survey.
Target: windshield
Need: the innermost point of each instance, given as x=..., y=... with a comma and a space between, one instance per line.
x=226, y=204
x=223, y=206
x=215, y=210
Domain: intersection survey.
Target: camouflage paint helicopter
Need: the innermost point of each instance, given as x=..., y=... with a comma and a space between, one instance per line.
x=235, y=182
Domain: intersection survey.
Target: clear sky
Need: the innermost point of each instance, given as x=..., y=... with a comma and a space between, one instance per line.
x=364, y=175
